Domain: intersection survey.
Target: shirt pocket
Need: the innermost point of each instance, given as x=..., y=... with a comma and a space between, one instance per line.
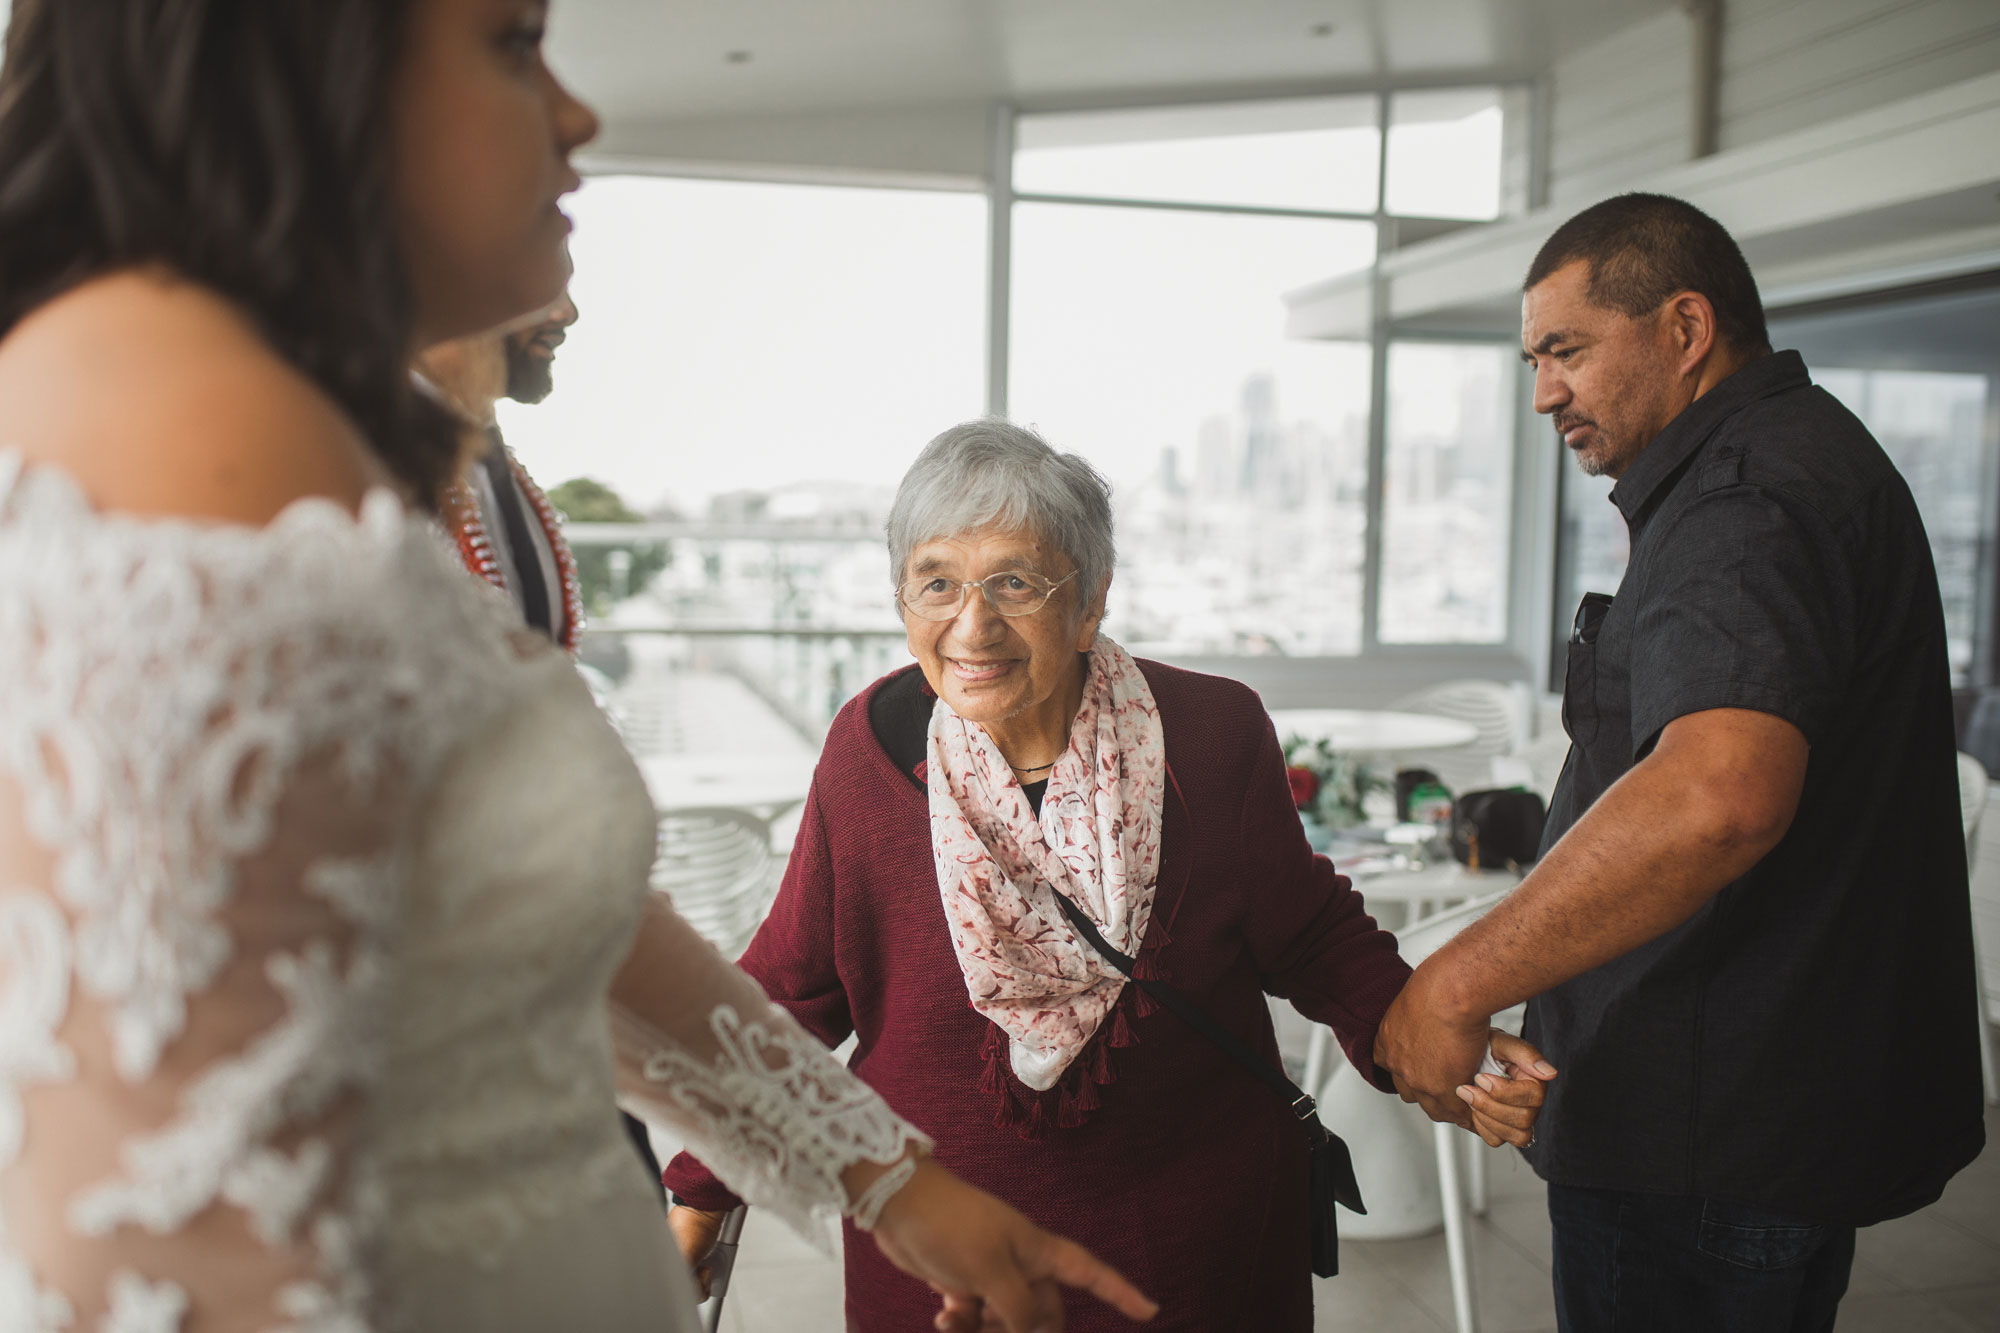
x=1580, y=711
x=1579, y=707
x=1756, y=1238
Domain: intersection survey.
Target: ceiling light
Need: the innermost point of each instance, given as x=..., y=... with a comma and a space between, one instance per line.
x=738, y=57
x=1322, y=29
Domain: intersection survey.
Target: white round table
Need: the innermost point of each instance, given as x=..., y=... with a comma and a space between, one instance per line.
x=765, y=783
x=1372, y=730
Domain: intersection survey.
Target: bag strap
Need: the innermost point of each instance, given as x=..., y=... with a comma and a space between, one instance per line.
x=1296, y=1097
x=1303, y=1107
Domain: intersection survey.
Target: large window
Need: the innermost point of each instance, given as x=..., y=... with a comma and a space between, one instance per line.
x=1447, y=498
x=1152, y=343
x=1151, y=249
x=797, y=343
x=1445, y=153
x=1319, y=154
x=757, y=364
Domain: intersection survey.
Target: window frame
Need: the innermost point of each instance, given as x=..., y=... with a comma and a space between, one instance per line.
x=1514, y=657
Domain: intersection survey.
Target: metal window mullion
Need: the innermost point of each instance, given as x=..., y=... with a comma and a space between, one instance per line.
x=1378, y=396
x=1184, y=206
x=999, y=260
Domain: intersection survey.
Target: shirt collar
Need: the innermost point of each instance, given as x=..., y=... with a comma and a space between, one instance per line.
x=1662, y=459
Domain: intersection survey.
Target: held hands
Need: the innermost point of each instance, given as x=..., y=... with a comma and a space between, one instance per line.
x=994, y=1268
x=1434, y=1058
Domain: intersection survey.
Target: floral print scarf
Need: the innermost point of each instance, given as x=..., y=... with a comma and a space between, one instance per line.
x=999, y=867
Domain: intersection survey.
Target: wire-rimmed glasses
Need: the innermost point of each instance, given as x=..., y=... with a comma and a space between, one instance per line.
x=1011, y=592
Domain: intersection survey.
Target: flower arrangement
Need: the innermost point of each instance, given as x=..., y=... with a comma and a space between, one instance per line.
x=1328, y=785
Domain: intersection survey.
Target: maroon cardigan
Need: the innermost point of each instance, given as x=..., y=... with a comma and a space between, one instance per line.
x=1155, y=1150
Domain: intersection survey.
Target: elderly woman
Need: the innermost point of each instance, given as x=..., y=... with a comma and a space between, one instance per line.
x=1027, y=755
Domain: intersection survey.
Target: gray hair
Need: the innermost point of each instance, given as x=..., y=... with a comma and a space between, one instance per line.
x=991, y=472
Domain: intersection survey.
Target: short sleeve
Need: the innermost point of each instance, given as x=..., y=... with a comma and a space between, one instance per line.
x=1746, y=605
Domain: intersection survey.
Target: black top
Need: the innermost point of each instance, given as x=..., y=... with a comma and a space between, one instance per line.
x=1805, y=1041
x=537, y=606
x=900, y=717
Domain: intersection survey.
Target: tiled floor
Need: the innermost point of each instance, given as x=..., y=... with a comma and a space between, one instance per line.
x=1935, y=1272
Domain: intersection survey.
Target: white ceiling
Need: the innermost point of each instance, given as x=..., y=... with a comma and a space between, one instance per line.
x=669, y=60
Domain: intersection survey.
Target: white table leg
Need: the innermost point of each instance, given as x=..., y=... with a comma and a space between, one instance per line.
x=1455, y=1247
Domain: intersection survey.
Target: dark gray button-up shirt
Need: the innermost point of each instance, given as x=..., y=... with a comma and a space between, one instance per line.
x=1805, y=1041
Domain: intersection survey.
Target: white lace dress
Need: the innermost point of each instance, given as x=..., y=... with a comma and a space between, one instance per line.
x=326, y=948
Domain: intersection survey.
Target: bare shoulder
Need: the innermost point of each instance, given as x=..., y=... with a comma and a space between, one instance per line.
x=160, y=397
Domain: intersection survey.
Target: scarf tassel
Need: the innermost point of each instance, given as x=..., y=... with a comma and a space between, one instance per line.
x=993, y=1050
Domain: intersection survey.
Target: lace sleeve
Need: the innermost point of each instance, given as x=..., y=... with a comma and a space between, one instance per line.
x=210, y=740
x=756, y=1097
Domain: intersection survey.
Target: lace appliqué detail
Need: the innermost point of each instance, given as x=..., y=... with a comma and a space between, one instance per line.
x=776, y=1116
x=162, y=684
x=868, y=1208
x=35, y=963
x=214, y=1148
x=139, y=1306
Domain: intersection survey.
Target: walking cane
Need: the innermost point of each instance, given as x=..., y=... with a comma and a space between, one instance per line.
x=721, y=1262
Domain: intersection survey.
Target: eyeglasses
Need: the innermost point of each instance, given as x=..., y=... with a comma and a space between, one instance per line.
x=1011, y=592
x=1590, y=613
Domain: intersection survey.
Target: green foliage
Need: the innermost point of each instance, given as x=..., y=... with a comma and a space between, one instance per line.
x=582, y=500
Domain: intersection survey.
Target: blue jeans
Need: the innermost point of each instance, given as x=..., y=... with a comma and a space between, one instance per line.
x=1652, y=1263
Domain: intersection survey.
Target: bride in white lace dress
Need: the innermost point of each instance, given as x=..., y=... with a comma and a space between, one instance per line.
x=325, y=943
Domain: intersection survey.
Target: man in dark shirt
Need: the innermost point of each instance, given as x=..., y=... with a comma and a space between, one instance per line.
x=1748, y=939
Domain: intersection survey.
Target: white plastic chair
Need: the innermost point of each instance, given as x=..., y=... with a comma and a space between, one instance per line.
x=1493, y=709
x=1422, y=893
x=716, y=863
x=1972, y=787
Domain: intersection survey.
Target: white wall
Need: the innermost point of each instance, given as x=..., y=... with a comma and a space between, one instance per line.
x=1621, y=109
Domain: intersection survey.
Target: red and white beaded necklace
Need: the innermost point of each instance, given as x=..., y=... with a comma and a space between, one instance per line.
x=460, y=514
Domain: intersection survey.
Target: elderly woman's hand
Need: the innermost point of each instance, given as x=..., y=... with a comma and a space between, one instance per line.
x=1504, y=1109
x=995, y=1269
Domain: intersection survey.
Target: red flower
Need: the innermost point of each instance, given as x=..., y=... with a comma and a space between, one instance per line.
x=1305, y=785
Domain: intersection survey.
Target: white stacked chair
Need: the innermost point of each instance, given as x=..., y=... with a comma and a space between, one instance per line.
x=716, y=864
x=1493, y=709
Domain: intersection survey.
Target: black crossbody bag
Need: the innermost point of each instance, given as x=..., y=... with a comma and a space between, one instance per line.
x=1332, y=1169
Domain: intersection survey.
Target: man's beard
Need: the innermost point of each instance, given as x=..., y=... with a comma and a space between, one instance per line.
x=1593, y=465
x=530, y=378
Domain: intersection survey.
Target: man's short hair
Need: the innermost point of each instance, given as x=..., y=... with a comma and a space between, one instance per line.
x=1642, y=248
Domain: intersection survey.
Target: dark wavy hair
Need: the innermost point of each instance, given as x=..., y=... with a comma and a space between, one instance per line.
x=244, y=145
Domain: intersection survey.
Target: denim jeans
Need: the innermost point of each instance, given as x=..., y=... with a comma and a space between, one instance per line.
x=1651, y=1263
